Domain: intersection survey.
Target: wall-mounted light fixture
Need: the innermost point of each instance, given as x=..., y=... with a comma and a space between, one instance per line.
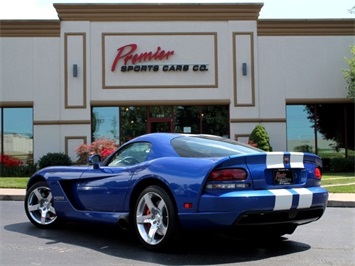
x=75, y=70
x=244, y=69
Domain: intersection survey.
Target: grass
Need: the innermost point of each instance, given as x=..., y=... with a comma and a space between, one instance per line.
x=13, y=182
x=339, y=182
x=333, y=182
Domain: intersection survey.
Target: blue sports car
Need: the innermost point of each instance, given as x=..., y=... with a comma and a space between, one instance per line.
x=160, y=183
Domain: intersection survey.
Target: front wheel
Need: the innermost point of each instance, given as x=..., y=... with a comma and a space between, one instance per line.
x=155, y=218
x=39, y=206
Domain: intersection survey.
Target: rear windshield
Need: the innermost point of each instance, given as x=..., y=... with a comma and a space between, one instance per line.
x=209, y=146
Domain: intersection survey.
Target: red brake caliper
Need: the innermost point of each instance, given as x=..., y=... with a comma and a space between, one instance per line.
x=147, y=225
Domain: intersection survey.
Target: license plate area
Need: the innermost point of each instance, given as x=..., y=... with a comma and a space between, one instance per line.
x=283, y=177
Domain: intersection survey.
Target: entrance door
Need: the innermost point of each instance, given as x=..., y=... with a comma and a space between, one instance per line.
x=160, y=125
x=160, y=119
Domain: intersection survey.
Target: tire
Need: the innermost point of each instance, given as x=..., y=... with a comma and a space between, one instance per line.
x=39, y=206
x=155, y=219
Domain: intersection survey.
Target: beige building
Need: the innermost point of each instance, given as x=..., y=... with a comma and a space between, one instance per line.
x=121, y=70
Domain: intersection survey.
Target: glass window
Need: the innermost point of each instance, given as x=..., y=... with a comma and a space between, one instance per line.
x=213, y=119
x=187, y=119
x=160, y=111
x=131, y=154
x=105, y=123
x=133, y=122
x=334, y=124
x=210, y=146
x=124, y=123
x=17, y=133
x=300, y=131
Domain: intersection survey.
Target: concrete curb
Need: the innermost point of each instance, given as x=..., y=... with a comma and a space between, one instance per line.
x=344, y=200
x=12, y=194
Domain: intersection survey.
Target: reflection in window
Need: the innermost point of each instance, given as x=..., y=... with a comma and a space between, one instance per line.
x=133, y=122
x=212, y=119
x=17, y=133
x=300, y=131
x=334, y=136
x=105, y=123
x=126, y=122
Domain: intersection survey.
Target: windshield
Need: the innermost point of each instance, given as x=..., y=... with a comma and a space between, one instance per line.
x=209, y=146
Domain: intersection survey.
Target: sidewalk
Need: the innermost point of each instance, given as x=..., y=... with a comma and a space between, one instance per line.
x=335, y=199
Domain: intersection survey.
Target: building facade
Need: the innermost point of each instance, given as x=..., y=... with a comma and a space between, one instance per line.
x=120, y=70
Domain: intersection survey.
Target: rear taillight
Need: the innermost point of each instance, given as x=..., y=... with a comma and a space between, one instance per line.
x=223, y=179
x=317, y=173
x=228, y=175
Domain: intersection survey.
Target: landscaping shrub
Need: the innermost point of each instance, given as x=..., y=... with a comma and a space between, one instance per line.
x=259, y=138
x=24, y=170
x=54, y=159
x=13, y=167
x=341, y=164
x=326, y=164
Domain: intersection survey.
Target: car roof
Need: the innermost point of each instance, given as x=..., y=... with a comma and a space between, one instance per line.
x=160, y=136
x=161, y=143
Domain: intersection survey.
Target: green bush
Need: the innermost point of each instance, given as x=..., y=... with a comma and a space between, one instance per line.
x=260, y=138
x=25, y=170
x=341, y=165
x=54, y=159
x=326, y=164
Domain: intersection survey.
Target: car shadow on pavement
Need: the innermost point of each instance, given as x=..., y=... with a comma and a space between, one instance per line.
x=192, y=249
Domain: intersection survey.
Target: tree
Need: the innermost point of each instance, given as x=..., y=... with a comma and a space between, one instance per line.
x=349, y=74
x=334, y=122
x=260, y=138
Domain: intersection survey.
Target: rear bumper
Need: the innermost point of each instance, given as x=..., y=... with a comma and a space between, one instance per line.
x=258, y=207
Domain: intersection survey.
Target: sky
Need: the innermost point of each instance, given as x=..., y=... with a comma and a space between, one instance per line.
x=272, y=9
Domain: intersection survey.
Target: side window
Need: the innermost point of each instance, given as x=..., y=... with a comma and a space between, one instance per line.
x=131, y=154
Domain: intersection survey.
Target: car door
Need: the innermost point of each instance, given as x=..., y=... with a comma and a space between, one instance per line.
x=105, y=188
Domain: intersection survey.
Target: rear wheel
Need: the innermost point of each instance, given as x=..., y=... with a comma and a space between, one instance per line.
x=155, y=218
x=39, y=206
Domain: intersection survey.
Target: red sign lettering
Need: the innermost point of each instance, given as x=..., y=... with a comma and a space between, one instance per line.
x=126, y=53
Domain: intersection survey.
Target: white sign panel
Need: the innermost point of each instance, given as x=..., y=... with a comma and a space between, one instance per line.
x=159, y=60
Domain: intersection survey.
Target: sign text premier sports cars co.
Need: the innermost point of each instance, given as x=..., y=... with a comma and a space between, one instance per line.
x=131, y=61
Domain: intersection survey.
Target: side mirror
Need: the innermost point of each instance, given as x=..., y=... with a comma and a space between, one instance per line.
x=95, y=160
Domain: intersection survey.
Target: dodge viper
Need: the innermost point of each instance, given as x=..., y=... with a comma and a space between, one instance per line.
x=160, y=184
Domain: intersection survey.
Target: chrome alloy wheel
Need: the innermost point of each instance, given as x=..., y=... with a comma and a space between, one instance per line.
x=152, y=218
x=39, y=206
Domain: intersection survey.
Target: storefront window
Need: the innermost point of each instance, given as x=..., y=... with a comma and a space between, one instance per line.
x=17, y=134
x=133, y=122
x=160, y=111
x=334, y=124
x=300, y=131
x=215, y=120
x=187, y=119
x=212, y=120
x=105, y=123
x=126, y=122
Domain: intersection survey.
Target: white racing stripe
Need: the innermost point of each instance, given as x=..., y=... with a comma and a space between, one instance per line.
x=306, y=197
x=296, y=160
x=283, y=199
x=274, y=160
